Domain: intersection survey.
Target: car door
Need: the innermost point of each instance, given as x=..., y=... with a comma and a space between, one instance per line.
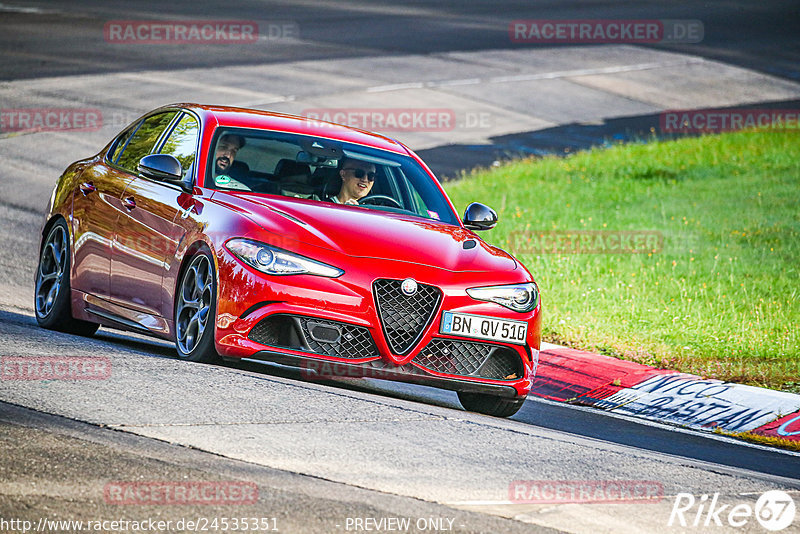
x=96, y=207
x=147, y=235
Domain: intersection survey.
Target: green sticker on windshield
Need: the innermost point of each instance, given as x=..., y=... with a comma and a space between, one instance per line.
x=222, y=179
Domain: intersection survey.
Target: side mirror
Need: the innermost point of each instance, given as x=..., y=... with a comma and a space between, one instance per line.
x=479, y=217
x=164, y=168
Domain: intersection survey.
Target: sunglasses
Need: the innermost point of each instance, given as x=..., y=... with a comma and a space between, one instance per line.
x=360, y=173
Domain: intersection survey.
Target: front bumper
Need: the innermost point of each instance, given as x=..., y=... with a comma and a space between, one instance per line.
x=255, y=312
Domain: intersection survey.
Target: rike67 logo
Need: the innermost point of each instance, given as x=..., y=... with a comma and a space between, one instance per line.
x=774, y=511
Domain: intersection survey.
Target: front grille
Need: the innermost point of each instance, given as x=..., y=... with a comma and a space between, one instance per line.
x=320, y=336
x=468, y=358
x=404, y=317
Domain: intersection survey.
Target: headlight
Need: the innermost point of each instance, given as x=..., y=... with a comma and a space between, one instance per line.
x=518, y=297
x=271, y=260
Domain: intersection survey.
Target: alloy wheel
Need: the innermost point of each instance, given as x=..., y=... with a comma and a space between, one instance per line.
x=194, y=303
x=52, y=266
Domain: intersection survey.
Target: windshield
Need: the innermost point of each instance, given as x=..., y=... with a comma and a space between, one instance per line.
x=290, y=165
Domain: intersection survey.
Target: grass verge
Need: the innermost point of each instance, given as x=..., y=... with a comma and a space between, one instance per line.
x=769, y=441
x=712, y=287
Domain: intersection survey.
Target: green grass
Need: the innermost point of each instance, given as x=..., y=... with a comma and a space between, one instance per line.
x=720, y=299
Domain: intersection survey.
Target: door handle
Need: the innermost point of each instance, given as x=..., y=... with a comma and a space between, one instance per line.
x=87, y=187
x=129, y=202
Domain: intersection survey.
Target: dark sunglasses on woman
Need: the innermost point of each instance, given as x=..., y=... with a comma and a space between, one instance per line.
x=360, y=173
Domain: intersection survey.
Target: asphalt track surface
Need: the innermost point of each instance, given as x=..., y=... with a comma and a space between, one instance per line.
x=41, y=39
x=56, y=38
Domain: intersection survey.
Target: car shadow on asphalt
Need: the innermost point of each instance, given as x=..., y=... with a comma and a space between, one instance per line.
x=385, y=388
x=156, y=348
x=141, y=344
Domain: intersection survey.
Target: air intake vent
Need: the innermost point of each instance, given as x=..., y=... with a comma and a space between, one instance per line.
x=470, y=359
x=319, y=336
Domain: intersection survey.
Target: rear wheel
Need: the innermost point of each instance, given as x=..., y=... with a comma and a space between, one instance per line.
x=52, y=291
x=490, y=404
x=195, y=310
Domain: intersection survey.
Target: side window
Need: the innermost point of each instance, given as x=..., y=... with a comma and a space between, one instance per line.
x=182, y=142
x=144, y=139
x=120, y=143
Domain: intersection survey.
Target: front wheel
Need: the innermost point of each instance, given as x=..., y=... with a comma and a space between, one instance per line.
x=490, y=404
x=52, y=291
x=195, y=310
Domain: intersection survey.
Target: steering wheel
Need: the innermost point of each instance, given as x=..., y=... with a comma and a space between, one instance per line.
x=380, y=199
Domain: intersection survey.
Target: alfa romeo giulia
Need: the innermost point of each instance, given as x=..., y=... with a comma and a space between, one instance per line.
x=262, y=236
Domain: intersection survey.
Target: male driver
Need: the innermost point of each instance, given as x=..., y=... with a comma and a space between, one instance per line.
x=225, y=174
x=227, y=147
x=357, y=179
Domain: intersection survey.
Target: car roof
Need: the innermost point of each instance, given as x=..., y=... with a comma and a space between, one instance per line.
x=234, y=117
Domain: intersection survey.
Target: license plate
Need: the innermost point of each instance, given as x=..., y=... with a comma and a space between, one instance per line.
x=480, y=327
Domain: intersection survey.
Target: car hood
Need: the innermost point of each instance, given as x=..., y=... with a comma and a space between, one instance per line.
x=368, y=233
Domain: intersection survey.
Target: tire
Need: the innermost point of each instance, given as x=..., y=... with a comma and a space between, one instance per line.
x=490, y=404
x=195, y=310
x=52, y=295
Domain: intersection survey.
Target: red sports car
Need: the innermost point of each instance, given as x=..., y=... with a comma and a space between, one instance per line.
x=262, y=236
